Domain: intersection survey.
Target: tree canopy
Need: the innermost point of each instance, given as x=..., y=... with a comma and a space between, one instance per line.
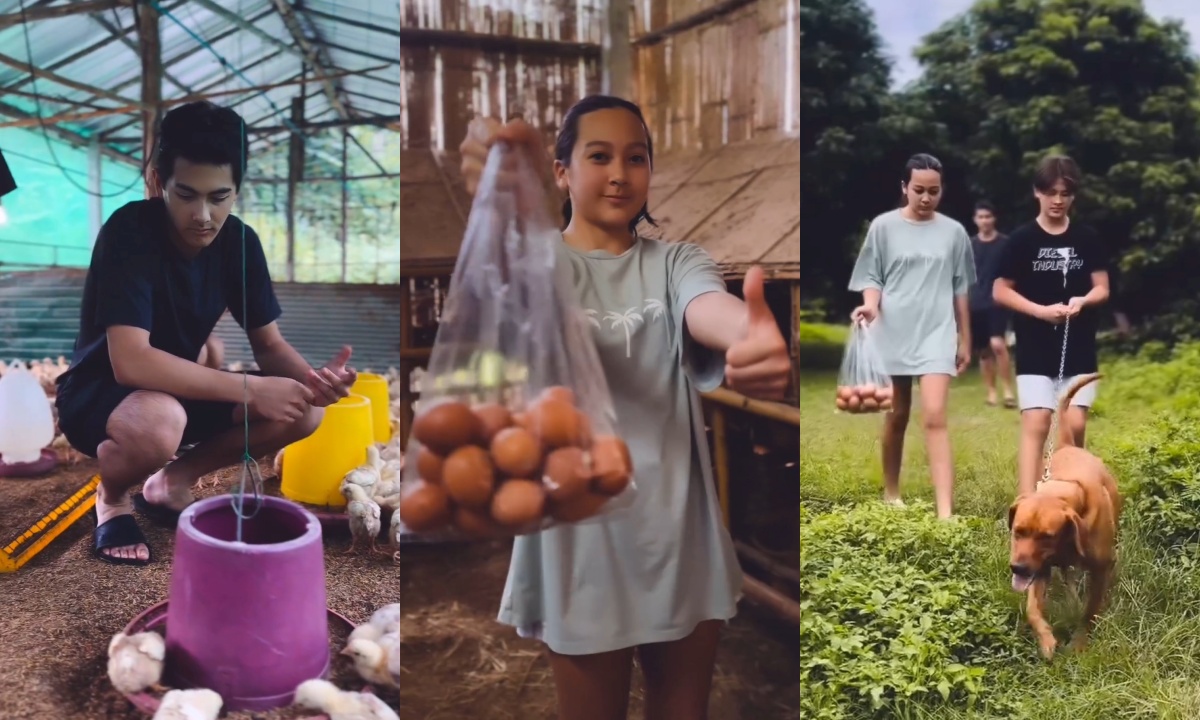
x=1006, y=83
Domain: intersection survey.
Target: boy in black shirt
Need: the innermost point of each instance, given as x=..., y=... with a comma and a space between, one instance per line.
x=163, y=271
x=989, y=322
x=1053, y=270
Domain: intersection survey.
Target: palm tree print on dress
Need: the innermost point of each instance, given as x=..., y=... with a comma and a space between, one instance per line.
x=591, y=316
x=627, y=321
x=655, y=308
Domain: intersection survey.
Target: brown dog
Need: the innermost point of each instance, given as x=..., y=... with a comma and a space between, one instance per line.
x=1070, y=521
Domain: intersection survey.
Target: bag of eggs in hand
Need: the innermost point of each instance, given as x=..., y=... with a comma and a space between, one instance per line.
x=515, y=429
x=491, y=471
x=864, y=385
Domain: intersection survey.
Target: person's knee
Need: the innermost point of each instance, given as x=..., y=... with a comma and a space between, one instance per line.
x=1035, y=422
x=896, y=419
x=999, y=349
x=148, y=425
x=933, y=417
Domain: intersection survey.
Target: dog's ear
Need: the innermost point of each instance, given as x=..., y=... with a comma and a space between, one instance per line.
x=1012, y=510
x=1078, y=530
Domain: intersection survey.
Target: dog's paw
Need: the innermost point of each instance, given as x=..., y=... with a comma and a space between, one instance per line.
x=1047, y=646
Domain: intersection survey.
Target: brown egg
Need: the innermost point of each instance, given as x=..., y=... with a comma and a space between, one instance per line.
x=521, y=420
x=555, y=422
x=477, y=524
x=493, y=418
x=469, y=477
x=866, y=390
x=566, y=473
x=516, y=452
x=518, y=503
x=883, y=393
x=611, y=465
x=577, y=508
x=429, y=465
x=585, y=429
x=886, y=404
x=426, y=507
x=445, y=427
x=844, y=392
x=558, y=392
x=842, y=404
x=854, y=404
x=870, y=404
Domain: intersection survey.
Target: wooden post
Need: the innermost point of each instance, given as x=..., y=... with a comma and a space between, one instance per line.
x=345, y=236
x=617, y=52
x=721, y=459
x=151, y=52
x=405, y=364
x=295, y=170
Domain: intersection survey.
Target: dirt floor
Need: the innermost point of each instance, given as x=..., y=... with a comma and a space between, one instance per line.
x=461, y=663
x=58, y=612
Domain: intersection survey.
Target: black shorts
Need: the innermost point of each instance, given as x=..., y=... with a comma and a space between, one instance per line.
x=85, y=404
x=988, y=324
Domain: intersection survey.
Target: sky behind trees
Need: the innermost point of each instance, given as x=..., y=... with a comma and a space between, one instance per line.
x=902, y=25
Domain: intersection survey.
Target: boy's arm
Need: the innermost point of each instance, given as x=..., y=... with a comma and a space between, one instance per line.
x=136, y=364
x=275, y=355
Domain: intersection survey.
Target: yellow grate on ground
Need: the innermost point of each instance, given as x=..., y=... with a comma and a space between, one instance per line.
x=43, y=532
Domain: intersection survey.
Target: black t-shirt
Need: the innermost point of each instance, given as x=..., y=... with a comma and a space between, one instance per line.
x=987, y=264
x=1033, y=261
x=138, y=277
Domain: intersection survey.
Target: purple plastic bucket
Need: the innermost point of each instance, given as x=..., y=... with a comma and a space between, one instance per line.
x=247, y=620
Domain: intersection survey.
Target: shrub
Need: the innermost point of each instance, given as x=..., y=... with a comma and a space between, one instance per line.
x=898, y=612
x=1160, y=480
x=821, y=345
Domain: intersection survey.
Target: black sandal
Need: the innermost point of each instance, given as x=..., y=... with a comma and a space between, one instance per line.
x=120, y=531
x=160, y=515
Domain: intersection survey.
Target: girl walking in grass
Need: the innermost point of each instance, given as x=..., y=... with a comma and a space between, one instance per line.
x=914, y=271
x=1053, y=270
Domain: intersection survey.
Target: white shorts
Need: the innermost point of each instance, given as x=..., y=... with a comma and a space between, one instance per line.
x=1039, y=391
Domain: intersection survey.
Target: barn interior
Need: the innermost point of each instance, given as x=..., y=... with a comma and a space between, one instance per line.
x=719, y=84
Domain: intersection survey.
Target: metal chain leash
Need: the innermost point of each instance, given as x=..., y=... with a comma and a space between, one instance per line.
x=1054, y=420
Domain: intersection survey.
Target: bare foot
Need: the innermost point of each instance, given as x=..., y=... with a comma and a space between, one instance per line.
x=159, y=491
x=106, y=511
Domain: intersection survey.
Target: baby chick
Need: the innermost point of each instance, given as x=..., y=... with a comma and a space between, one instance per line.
x=389, y=479
x=365, y=476
x=392, y=450
x=378, y=661
x=341, y=705
x=394, y=532
x=189, y=705
x=364, y=517
x=383, y=621
x=135, y=662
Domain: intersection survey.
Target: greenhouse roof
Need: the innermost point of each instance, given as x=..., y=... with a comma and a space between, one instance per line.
x=84, y=77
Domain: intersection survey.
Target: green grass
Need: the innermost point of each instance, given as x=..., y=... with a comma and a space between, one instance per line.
x=1144, y=661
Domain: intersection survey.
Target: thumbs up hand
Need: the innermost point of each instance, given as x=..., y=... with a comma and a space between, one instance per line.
x=758, y=365
x=333, y=381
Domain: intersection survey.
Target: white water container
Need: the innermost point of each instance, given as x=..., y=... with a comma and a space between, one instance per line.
x=26, y=421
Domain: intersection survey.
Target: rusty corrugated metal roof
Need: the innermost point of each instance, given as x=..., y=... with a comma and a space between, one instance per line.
x=740, y=202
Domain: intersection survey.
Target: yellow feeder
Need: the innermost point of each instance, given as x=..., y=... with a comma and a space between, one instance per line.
x=313, y=468
x=375, y=388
